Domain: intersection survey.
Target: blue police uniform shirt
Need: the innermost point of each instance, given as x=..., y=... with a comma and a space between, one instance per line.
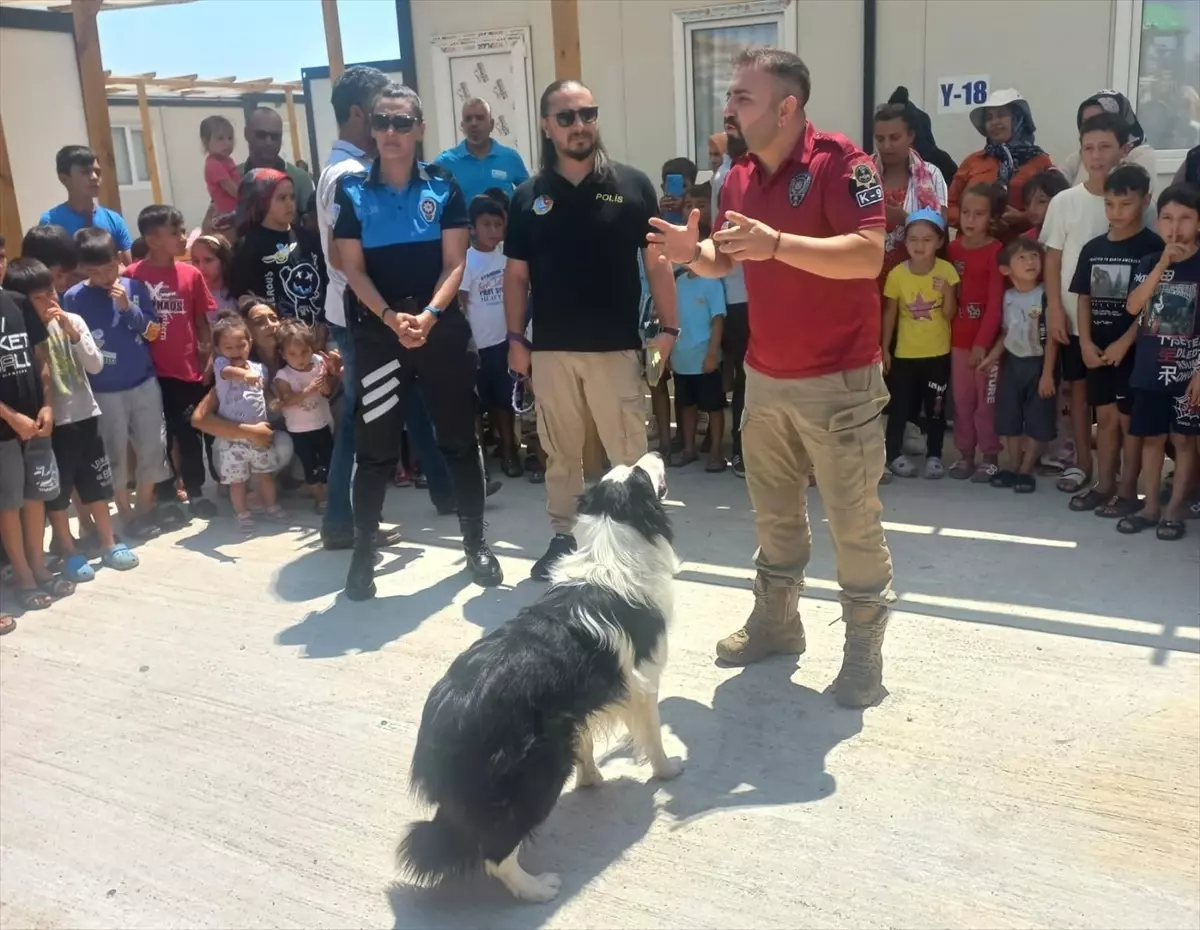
x=102, y=218
x=502, y=167
x=400, y=229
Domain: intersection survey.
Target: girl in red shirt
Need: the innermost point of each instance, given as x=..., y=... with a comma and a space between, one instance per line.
x=975, y=254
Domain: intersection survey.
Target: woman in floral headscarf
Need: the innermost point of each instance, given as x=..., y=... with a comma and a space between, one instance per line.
x=274, y=258
x=1010, y=158
x=1137, y=150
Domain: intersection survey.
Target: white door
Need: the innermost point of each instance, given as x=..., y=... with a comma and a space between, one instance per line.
x=494, y=66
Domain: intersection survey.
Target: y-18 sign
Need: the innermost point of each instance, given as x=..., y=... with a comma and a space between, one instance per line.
x=960, y=94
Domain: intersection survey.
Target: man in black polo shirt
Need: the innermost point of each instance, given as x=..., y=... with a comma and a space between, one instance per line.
x=574, y=234
x=401, y=236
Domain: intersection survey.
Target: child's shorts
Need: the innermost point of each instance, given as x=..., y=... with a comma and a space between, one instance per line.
x=1020, y=410
x=82, y=464
x=1109, y=384
x=493, y=382
x=706, y=391
x=135, y=416
x=314, y=449
x=238, y=459
x=28, y=472
x=1157, y=413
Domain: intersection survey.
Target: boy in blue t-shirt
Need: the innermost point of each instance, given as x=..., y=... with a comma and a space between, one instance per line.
x=696, y=363
x=1166, y=365
x=79, y=172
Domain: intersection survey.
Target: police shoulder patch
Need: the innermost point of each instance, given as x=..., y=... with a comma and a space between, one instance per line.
x=864, y=184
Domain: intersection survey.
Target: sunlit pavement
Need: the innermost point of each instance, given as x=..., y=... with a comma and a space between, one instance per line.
x=220, y=740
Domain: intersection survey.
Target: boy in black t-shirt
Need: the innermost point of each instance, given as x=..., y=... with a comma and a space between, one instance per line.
x=1165, y=379
x=1106, y=337
x=28, y=473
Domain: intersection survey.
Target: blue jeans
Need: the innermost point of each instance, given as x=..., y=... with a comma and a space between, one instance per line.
x=339, y=516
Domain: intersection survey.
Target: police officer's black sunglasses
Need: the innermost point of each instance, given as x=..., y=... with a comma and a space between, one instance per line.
x=566, y=118
x=400, y=122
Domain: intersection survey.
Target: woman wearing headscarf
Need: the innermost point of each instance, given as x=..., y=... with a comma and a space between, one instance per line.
x=1010, y=157
x=275, y=258
x=1137, y=150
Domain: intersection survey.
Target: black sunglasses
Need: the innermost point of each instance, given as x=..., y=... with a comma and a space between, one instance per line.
x=399, y=122
x=566, y=118
x=265, y=135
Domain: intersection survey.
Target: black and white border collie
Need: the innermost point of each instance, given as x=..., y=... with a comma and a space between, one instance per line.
x=504, y=728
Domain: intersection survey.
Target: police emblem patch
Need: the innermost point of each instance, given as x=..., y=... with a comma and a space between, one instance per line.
x=798, y=187
x=864, y=185
x=428, y=207
x=542, y=206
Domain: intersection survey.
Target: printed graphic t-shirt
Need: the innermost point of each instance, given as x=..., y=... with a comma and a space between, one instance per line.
x=180, y=298
x=979, y=296
x=1168, y=346
x=1103, y=275
x=287, y=268
x=922, y=329
x=237, y=400
x=20, y=332
x=483, y=282
x=1024, y=322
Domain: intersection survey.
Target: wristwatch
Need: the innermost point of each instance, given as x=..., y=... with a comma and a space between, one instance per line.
x=434, y=310
x=670, y=331
x=519, y=337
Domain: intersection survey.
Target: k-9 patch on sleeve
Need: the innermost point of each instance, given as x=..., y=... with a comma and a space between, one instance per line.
x=864, y=184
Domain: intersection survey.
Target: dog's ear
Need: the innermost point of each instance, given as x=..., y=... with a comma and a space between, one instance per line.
x=633, y=502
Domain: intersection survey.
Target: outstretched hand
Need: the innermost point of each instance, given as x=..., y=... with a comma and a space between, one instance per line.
x=674, y=244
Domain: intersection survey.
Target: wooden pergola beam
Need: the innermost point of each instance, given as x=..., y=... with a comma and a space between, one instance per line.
x=294, y=128
x=95, y=97
x=564, y=23
x=148, y=141
x=333, y=39
x=10, y=215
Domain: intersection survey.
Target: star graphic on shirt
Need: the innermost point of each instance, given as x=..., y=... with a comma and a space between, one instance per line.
x=920, y=308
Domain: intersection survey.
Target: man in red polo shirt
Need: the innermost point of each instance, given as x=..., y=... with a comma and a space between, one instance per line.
x=804, y=214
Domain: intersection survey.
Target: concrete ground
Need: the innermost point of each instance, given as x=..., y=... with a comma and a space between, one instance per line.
x=219, y=740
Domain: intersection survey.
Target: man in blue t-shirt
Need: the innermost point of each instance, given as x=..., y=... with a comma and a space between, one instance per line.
x=79, y=172
x=479, y=162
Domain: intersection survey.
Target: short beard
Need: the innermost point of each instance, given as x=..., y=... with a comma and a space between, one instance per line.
x=582, y=155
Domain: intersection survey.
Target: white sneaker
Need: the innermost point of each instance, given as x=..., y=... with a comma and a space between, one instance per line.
x=901, y=467
x=934, y=469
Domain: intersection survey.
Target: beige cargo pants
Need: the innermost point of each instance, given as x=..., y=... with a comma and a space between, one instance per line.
x=569, y=389
x=833, y=423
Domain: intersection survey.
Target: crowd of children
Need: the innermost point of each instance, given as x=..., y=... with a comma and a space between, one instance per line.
x=125, y=369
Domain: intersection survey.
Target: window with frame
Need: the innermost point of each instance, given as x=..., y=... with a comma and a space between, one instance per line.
x=129, y=153
x=706, y=42
x=1167, y=74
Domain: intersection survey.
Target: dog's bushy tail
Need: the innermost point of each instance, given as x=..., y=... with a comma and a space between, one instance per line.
x=437, y=849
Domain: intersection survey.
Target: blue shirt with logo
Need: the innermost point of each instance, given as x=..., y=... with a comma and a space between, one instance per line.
x=102, y=218
x=400, y=229
x=699, y=301
x=502, y=167
x=118, y=333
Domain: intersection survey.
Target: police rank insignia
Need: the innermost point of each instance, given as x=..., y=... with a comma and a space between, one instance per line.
x=798, y=187
x=542, y=206
x=865, y=186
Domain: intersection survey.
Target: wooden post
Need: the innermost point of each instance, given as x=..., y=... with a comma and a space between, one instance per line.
x=564, y=22
x=10, y=216
x=95, y=97
x=333, y=39
x=290, y=98
x=148, y=139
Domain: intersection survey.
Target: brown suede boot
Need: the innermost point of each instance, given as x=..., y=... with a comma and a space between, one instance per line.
x=773, y=627
x=860, y=682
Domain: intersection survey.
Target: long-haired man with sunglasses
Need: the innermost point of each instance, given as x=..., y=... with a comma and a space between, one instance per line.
x=401, y=239
x=575, y=232
x=264, y=136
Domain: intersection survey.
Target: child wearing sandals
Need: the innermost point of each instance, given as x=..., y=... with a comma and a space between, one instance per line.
x=78, y=446
x=242, y=398
x=1025, y=408
x=919, y=303
x=1166, y=365
x=303, y=386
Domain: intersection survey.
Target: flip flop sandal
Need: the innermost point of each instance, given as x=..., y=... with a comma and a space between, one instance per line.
x=680, y=459
x=143, y=526
x=1073, y=480
x=1088, y=500
x=1003, y=479
x=961, y=470
x=77, y=570
x=7, y=624
x=245, y=523
x=1171, y=530
x=120, y=557
x=275, y=514
x=984, y=474
x=1116, y=507
x=57, y=587
x=1134, y=523
x=34, y=599
x=715, y=468
x=1025, y=484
